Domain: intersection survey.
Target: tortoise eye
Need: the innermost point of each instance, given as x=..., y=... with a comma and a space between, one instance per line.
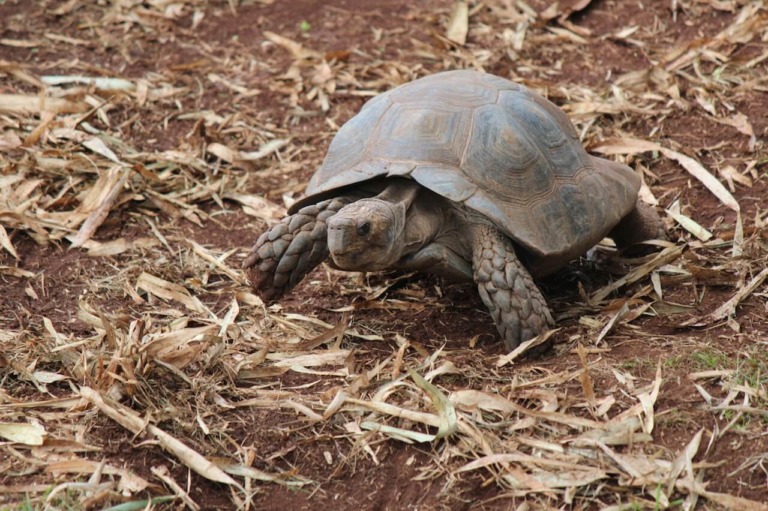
x=364, y=228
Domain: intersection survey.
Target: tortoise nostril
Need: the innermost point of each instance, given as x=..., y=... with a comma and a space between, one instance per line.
x=364, y=228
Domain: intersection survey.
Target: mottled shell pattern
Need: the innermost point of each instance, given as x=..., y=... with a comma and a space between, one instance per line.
x=493, y=145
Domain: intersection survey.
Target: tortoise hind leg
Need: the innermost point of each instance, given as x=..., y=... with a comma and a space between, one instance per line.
x=284, y=254
x=507, y=289
x=640, y=224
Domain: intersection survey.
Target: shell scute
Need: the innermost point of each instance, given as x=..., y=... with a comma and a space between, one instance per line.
x=494, y=146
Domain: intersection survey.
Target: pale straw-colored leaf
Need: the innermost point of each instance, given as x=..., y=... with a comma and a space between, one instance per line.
x=169, y=291
x=18, y=103
x=23, y=433
x=336, y=403
x=259, y=207
x=730, y=502
x=666, y=256
x=296, y=49
x=729, y=307
x=96, y=217
x=732, y=176
x=684, y=461
x=98, y=146
x=335, y=357
x=15, y=272
x=558, y=479
x=287, y=479
x=6, y=243
x=613, y=322
x=169, y=346
x=442, y=404
x=525, y=347
x=19, y=43
x=469, y=399
x=458, y=25
x=102, y=83
x=696, y=169
x=128, y=419
x=738, y=237
x=648, y=401
x=401, y=434
x=264, y=151
x=216, y=262
x=519, y=458
x=221, y=151
x=429, y=419
x=688, y=223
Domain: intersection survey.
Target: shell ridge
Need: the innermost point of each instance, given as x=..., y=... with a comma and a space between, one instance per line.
x=374, y=131
x=467, y=143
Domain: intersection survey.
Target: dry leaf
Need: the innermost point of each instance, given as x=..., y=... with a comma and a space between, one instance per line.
x=169, y=291
x=458, y=26
x=131, y=421
x=23, y=433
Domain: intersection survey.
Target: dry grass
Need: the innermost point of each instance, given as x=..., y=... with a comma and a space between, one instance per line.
x=171, y=348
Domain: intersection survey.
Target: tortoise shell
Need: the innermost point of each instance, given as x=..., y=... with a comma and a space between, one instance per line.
x=493, y=145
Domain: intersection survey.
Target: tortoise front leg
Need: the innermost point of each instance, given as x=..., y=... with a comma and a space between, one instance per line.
x=438, y=259
x=284, y=254
x=507, y=289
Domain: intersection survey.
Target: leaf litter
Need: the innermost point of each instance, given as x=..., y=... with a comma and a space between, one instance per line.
x=178, y=309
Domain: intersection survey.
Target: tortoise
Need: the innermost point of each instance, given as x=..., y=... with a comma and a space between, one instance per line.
x=462, y=174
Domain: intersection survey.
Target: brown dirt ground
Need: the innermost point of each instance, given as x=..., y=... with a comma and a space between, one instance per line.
x=231, y=43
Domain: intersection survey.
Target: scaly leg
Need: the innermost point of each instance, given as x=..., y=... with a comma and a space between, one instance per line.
x=507, y=289
x=283, y=255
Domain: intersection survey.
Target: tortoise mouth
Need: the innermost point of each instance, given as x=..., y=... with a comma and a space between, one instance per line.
x=352, y=251
x=360, y=236
x=353, y=261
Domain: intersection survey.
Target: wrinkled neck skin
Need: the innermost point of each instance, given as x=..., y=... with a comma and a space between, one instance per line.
x=375, y=233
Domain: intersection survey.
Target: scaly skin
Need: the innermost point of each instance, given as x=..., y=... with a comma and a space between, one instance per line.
x=640, y=224
x=507, y=289
x=283, y=255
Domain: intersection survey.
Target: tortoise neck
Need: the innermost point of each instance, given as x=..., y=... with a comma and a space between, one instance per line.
x=423, y=214
x=400, y=190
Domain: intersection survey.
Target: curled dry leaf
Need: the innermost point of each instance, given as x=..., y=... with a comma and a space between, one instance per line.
x=441, y=403
x=181, y=347
x=6, y=243
x=169, y=291
x=259, y=207
x=113, y=186
x=296, y=49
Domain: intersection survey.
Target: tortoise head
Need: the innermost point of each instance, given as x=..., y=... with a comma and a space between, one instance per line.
x=367, y=235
